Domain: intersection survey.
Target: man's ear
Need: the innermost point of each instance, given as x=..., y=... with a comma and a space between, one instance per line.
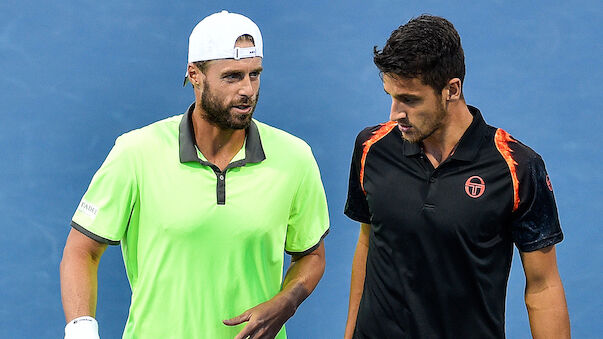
x=195, y=76
x=453, y=90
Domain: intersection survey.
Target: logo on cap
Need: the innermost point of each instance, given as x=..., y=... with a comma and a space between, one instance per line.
x=475, y=186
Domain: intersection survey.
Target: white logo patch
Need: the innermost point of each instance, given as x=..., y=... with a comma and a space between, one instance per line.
x=88, y=209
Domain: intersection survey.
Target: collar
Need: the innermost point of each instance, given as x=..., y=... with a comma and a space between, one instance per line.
x=254, y=152
x=468, y=145
x=472, y=139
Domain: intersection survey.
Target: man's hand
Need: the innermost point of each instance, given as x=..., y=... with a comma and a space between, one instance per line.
x=264, y=320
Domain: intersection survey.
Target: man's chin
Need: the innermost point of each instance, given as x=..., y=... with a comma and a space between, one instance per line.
x=412, y=138
x=241, y=121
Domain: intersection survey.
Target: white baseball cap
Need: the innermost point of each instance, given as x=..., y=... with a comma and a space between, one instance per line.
x=215, y=36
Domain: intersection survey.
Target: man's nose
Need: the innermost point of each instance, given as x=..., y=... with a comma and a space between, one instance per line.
x=397, y=111
x=246, y=88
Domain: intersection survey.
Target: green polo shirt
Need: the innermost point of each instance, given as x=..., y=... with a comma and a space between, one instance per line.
x=201, y=245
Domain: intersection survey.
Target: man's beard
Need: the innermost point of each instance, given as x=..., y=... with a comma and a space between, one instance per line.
x=429, y=127
x=221, y=116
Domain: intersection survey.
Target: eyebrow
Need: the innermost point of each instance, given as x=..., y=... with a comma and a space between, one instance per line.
x=232, y=71
x=405, y=95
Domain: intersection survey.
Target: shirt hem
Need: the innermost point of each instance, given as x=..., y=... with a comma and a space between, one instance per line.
x=311, y=249
x=552, y=240
x=356, y=217
x=92, y=235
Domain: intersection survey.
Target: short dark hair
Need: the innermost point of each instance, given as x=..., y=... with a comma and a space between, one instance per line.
x=427, y=47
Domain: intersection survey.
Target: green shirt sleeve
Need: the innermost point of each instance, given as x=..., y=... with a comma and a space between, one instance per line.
x=105, y=209
x=309, y=216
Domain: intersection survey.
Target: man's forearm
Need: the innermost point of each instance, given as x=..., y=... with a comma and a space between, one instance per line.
x=303, y=275
x=78, y=286
x=357, y=280
x=267, y=318
x=544, y=296
x=78, y=271
x=547, y=310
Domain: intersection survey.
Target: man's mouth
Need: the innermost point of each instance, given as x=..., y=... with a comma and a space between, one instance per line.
x=242, y=108
x=404, y=128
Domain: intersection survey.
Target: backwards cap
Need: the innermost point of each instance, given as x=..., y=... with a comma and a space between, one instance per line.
x=215, y=36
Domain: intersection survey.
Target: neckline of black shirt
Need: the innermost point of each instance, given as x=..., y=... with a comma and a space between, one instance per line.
x=467, y=147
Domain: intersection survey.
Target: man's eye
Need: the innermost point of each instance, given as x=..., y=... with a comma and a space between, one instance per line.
x=233, y=76
x=408, y=101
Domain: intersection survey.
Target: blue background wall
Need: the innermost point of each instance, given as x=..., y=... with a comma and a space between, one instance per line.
x=75, y=75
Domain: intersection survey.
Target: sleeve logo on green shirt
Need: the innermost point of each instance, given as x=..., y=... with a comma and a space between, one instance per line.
x=88, y=209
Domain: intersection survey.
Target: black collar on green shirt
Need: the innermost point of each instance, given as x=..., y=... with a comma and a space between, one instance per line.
x=468, y=145
x=254, y=152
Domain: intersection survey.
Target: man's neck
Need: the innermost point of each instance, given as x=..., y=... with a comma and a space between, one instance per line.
x=219, y=146
x=441, y=145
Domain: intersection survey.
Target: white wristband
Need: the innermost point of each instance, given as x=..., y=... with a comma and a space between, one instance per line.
x=84, y=327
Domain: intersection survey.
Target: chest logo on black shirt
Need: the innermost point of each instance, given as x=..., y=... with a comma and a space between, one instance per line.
x=475, y=186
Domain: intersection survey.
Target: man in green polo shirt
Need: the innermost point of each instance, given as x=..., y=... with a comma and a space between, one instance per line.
x=203, y=205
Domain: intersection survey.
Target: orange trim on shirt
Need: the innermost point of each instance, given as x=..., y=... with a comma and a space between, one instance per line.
x=383, y=130
x=502, y=140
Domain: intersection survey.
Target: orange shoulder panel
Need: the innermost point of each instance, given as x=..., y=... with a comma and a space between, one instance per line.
x=382, y=131
x=502, y=140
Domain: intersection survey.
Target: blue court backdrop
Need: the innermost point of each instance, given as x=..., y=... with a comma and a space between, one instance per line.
x=74, y=75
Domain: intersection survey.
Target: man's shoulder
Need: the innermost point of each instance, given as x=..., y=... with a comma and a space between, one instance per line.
x=275, y=137
x=510, y=147
x=374, y=133
x=152, y=133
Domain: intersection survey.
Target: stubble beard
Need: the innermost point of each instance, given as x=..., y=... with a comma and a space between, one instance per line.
x=221, y=116
x=433, y=124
